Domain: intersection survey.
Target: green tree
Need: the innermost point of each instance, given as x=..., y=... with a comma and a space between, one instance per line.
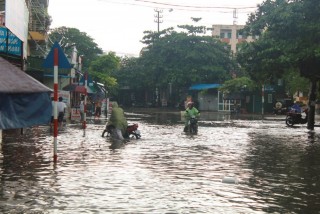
x=289, y=28
x=238, y=84
x=184, y=59
x=103, y=69
x=130, y=74
x=85, y=45
x=295, y=83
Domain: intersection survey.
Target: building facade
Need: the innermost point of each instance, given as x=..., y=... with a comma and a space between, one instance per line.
x=231, y=34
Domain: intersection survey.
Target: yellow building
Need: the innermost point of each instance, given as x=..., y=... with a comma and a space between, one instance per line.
x=231, y=35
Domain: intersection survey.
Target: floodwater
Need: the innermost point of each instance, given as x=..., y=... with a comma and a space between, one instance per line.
x=234, y=165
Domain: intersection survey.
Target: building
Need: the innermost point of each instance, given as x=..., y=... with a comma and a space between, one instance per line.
x=25, y=101
x=231, y=34
x=249, y=101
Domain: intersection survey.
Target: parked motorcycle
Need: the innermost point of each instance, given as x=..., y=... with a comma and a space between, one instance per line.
x=132, y=131
x=278, y=109
x=192, y=127
x=296, y=118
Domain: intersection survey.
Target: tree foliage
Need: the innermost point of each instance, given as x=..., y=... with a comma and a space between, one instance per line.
x=104, y=68
x=295, y=83
x=67, y=37
x=263, y=60
x=130, y=74
x=238, y=84
x=293, y=28
x=184, y=59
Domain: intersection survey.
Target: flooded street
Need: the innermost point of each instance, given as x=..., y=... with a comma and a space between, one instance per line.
x=233, y=165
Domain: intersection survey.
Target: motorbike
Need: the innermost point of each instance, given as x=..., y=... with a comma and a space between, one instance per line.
x=131, y=132
x=278, y=109
x=296, y=118
x=192, y=127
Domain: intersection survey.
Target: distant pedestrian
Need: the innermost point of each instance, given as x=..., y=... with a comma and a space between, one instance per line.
x=81, y=110
x=61, y=106
x=98, y=110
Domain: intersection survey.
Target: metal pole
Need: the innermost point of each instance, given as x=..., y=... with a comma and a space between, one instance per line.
x=158, y=17
x=262, y=101
x=55, y=99
x=85, y=104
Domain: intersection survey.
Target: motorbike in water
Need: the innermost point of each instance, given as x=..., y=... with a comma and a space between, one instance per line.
x=192, y=126
x=131, y=132
x=296, y=118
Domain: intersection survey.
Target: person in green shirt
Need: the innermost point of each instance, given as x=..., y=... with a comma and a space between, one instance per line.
x=190, y=112
x=118, y=121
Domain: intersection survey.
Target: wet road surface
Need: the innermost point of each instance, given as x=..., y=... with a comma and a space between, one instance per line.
x=232, y=166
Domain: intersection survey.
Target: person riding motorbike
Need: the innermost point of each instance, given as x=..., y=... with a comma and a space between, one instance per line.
x=118, y=121
x=296, y=108
x=190, y=112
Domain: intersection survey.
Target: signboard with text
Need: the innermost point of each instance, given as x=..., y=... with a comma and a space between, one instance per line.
x=9, y=43
x=75, y=114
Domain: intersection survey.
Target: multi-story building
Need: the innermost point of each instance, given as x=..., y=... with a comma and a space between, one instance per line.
x=16, y=87
x=39, y=23
x=231, y=34
x=24, y=26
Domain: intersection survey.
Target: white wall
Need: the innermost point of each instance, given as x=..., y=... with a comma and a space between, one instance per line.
x=17, y=19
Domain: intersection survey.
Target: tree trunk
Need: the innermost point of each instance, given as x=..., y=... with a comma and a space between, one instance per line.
x=312, y=104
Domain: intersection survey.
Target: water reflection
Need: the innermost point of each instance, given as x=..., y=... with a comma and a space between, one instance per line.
x=284, y=172
x=165, y=171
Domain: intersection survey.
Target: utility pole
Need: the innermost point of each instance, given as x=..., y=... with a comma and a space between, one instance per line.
x=235, y=16
x=158, y=20
x=158, y=17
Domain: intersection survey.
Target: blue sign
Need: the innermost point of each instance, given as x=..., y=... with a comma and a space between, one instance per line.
x=89, y=81
x=63, y=62
x=14, y=43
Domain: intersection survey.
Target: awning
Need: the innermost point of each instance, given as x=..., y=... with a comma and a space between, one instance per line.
x=204, y=86
x=79, y=88
x=14, y=80
x=24, y=101
x=36, y=36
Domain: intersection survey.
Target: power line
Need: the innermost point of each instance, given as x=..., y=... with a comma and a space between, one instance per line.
x=194, y=6
x=179, y=6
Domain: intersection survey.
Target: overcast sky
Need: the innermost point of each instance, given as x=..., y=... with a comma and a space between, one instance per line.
x=118, y=25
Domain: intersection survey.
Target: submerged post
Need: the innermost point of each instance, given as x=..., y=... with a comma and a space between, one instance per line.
x=85, y=104
x=56, y=59
x=262, y=101
x=55, y=99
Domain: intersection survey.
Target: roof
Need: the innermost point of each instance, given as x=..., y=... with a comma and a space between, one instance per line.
x=204, y=86
x=14, y=80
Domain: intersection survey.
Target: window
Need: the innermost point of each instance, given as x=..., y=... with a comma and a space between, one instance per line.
x=225, y=33
x=269, y=98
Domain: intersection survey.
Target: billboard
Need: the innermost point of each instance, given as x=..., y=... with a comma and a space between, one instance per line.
x=9, y=43
x=17, y=19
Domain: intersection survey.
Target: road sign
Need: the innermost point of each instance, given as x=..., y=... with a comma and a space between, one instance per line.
x=63, y=62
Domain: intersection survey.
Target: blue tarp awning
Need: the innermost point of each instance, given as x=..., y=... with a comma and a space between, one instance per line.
x=24, y=101
x=24, y=110
x=204, y=86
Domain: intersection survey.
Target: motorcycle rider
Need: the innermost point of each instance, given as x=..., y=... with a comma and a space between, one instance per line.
x=296, y=108
x=190, y=112
x=118, y=121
